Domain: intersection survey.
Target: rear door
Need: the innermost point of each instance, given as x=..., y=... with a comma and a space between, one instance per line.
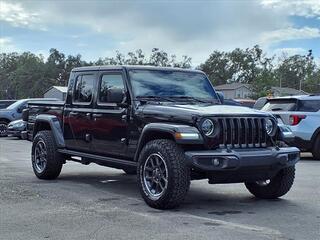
x=110, y=125
x=78, y=112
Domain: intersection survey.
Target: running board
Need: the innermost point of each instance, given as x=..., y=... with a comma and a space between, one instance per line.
x=101, y=160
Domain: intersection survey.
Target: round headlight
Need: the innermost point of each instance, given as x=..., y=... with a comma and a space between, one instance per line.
x=207, y=127
x=269, y=126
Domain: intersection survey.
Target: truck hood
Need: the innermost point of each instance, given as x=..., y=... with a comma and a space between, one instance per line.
x=187, y=112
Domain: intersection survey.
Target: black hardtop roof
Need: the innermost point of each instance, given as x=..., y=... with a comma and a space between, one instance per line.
x=131, y=67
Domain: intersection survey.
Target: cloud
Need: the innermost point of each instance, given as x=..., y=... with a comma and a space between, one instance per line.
x=17, y=16
x=289, y=51
x=193, y=28
x=287, y=34
x=6, y=45
x=303, y=8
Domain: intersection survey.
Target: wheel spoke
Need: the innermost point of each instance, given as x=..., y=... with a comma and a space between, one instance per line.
x=155, y=175
x=148, y=178
x=162, y=187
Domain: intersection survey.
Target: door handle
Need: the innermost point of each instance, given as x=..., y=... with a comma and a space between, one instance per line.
x=124, y=118
x=74, y=114
x=88, y=115
x=97, y=115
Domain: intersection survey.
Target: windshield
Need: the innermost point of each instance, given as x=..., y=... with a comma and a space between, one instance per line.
x=16, y=104
x=280, y=105
x=171, y=84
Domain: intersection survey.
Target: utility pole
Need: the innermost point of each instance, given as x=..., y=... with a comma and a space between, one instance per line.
x=309, y=58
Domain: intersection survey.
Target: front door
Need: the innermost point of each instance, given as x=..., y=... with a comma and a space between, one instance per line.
x=78, y=113
x=110, y=123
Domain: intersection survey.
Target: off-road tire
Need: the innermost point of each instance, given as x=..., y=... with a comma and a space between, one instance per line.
x=130, y=171
x=178, y=173
x=4, y=124
x=278, y=186
x=54, y=160
x=316, y=148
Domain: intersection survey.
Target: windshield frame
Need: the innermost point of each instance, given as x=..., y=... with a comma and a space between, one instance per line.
x=215, y=99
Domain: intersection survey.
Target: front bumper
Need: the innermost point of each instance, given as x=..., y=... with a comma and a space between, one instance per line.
x=238, y=165
x=14, y=133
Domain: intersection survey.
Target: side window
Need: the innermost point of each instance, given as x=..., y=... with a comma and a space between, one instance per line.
x=309, y=106
x=110, y=81
x=83, y=89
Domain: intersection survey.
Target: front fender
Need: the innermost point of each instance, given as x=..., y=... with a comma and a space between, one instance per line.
x=181, y=134
x=54, y=125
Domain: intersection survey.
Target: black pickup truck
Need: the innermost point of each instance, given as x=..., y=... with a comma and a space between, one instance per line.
x=168, y=126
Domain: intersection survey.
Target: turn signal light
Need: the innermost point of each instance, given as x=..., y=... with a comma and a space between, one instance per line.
x=296, y=119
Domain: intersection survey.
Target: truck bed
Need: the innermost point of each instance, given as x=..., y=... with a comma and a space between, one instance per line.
x=43, y=107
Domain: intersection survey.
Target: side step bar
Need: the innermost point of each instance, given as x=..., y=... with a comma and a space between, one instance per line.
x=101, y=160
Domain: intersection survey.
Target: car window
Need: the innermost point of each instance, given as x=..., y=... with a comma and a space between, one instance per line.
x=309, y=106
x=84, y=88
x=108, y=82
x=280, y=105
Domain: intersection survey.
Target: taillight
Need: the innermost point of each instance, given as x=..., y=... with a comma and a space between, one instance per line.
x=295, y=119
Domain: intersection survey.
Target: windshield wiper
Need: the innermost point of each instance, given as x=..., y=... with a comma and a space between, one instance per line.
x=152, y=97
x=191, y=98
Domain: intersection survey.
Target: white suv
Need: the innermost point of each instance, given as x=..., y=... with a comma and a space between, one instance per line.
x=299, y=119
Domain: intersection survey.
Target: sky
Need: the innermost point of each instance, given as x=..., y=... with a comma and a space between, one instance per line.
x=99, y=28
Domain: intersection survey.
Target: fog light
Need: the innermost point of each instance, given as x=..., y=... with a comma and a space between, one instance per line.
x=216, y=162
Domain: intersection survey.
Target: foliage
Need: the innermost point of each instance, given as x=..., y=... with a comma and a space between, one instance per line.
x=28, y=75
x=254, y=67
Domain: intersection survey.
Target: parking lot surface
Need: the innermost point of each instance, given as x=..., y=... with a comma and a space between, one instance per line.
x=94, y=202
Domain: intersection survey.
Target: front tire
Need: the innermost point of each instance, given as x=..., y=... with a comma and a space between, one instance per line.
x=46, y=161
x=274, y=187
x=163, y=175
x=316, y=149
x=3, y=128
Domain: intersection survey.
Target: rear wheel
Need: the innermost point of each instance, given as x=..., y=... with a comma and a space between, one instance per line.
x=316, y=148
x=3, y=128
x=163, y=176
x=46, y=161
x=275, y=187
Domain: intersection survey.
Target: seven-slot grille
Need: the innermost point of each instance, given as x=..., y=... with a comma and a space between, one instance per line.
x=242, y=132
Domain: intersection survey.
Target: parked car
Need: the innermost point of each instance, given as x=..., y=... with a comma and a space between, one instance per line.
x=16, y=127
x=6, y=103
x=165, y=124
x=14, y=112
x=300, y=116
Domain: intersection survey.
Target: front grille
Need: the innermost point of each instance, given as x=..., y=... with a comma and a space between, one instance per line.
x=242, y=132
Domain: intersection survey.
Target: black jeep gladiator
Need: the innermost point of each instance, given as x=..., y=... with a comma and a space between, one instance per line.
x=166, y=125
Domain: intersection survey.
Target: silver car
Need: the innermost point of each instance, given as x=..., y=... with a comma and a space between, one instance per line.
x=299, y=119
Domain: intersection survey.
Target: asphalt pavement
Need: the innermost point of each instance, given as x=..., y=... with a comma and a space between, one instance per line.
x=94, y=202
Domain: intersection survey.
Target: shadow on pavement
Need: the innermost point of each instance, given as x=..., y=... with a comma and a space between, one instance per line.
x=201, y=196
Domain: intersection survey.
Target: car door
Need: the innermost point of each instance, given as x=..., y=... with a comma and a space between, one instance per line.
x=78, y=113
x=110, y=123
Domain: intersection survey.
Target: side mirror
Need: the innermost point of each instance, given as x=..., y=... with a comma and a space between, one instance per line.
x=116, y=95
x=25, y=115
x=221, y=97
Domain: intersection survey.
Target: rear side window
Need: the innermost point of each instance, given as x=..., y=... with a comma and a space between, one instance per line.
x=280, y=105
x=108, y=82
x=84, y=88
x=309, y=106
